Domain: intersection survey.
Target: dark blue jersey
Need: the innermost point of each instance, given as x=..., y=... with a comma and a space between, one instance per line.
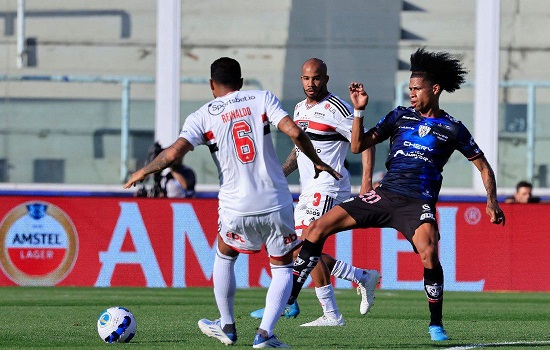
x=419, y=148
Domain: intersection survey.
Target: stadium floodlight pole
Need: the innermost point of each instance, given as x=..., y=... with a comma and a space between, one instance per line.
x=487, y=84
x=167, y=102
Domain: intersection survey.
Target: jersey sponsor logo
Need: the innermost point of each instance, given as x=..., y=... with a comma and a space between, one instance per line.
x=423, y=130
x=310, y=211
x=441, y=125
x=217, y=107
x=234, y=236
x=406, y=127
x=440, y=136
x=38, y=244
x=414, y=154
x=427, y=216
x=290, y=238
x=409, y=117
x=417, y=146
x=327, y=105
x=426, y=207
x=319, y=115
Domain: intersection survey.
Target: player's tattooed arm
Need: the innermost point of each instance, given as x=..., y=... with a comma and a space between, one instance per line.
x=291, y=162
x=165, y=158
x=488, y=177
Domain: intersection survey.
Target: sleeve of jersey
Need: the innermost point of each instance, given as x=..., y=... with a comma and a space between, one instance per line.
x=274, y=109
x=384, y=128
x=192, y=130
x=466, y=144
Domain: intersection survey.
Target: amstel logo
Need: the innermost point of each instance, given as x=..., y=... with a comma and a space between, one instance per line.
x=38, y=244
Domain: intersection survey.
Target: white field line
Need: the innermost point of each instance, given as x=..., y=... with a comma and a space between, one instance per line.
x=492, y=345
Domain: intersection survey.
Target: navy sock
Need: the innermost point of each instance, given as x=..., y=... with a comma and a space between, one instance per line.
x=303, y=265
x=433, y=286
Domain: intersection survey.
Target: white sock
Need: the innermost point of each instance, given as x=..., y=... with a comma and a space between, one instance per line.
x=326, y=297
x=225, y=286
x=277, y=295
x=347, y=272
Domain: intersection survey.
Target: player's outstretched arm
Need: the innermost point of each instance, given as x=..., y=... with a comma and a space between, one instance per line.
x=291, y=162
x=360, y=140
x=302, y=141
x=367, y=161
x=488, y=177
x=165, y=158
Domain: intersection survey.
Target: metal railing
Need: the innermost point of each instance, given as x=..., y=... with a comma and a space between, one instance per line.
x=125, y=82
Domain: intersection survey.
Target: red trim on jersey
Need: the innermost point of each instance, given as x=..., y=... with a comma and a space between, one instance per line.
x=317, y=126
x=476, y=156
x=209, y=135
x=303, y=226
x=243, y=250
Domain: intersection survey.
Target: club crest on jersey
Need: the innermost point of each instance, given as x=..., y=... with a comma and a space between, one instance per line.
x=303, y=125
x=423, y=130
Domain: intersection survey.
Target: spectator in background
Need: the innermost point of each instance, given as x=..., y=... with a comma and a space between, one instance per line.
x=524, y=194
x=180, y=181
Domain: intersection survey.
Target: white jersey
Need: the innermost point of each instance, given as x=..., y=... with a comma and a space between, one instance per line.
x=328, y=124
x=236, y=129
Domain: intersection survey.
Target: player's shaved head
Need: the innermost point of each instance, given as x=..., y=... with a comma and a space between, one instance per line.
x=319, y=63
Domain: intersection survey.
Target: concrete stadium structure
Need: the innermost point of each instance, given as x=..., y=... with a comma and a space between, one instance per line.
x=60, y=114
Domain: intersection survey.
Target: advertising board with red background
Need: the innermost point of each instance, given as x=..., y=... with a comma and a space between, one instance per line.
x=102, y=242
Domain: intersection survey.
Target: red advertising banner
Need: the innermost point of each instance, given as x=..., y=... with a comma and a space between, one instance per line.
x=102, y=242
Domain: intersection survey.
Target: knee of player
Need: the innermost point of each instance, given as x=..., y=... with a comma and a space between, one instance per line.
x=315, y=232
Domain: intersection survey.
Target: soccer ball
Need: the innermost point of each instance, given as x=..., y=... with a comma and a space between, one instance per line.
x=116, y=325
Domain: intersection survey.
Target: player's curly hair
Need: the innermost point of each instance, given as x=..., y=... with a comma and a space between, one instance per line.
x=438, y=67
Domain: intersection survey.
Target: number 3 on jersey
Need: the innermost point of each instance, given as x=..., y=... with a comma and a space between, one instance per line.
x=244, y=143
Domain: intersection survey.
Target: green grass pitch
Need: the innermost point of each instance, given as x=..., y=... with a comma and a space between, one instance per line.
x=65, y=318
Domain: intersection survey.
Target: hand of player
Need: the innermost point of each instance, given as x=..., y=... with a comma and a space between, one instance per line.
x=365, y=188
x=496, y=214
x=136, y=177
x=358, y=95
x=324, y=167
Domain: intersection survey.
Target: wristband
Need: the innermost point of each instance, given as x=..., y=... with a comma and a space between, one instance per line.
x=358, y=113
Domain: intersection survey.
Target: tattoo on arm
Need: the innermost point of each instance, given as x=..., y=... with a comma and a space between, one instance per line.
x=291, y=163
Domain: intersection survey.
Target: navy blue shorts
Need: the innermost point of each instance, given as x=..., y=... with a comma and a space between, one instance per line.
x=384, y=208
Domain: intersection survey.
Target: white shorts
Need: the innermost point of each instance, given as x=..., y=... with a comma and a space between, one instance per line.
x=246, y=234
x=311, y=207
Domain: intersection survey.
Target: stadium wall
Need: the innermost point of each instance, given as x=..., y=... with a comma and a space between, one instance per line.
x=162, y=243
